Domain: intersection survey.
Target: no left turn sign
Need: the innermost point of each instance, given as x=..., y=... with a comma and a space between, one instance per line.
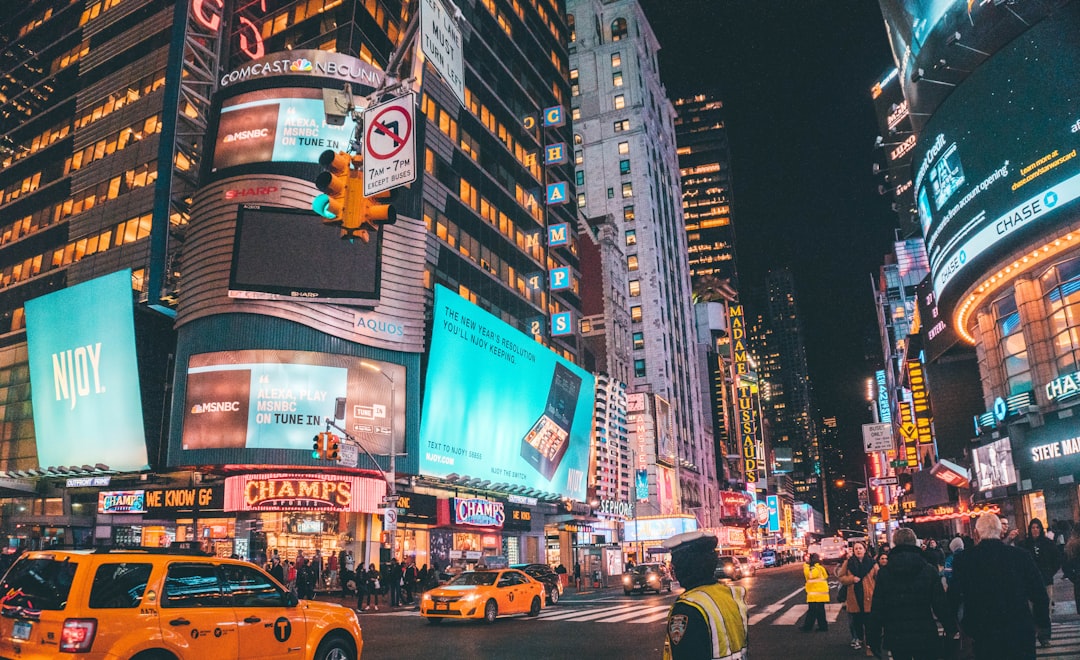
x=389, y=145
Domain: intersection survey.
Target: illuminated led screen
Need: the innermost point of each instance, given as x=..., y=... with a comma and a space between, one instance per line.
x=996, y=167
x=276, y=125
x=279, y=399
x=84, y=375
x=994, y=465
x=500, y=407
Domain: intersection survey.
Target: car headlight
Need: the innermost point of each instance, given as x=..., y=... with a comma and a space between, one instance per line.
x=652, y=578
x=626, y=579
x=470, y=597
x=729, y=568
x=426, y=597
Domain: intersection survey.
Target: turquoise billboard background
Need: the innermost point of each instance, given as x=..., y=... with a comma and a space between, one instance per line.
x=84, y=375
x=491, y=392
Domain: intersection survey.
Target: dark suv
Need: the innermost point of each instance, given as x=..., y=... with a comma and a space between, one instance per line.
x=543, y=573
x=647, y=577
x=728, y=568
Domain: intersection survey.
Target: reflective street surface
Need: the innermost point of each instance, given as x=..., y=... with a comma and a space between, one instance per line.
x=607, y=624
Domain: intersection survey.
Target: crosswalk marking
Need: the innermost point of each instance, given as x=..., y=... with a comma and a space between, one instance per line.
x=795, y=612
x=577, y=612
x=663, y=609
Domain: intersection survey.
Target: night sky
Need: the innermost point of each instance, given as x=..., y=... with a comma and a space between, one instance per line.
x=795, y=78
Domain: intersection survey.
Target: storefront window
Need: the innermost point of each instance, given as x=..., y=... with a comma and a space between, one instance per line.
x=1013, y=345
x=1061, y=287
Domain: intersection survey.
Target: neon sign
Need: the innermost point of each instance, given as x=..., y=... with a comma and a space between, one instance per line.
x=251, y=41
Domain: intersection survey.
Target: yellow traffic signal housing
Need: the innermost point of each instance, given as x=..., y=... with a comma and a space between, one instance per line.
x=333, y=182
x=334, y=449
x=317, y=448
x=378, y=210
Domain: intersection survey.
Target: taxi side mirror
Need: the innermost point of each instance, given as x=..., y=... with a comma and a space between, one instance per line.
x=291, y=600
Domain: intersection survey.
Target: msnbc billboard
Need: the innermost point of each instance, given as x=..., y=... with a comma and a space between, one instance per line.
x=279, y=399
x=84, y=375
x=502, y=408
x=990, y=182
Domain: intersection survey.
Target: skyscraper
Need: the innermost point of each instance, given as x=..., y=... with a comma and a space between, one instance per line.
x=627, y=167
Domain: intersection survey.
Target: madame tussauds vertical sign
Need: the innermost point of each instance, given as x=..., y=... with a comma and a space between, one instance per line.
x=744, y=392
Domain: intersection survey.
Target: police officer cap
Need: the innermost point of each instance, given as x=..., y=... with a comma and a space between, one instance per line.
x=696, y=540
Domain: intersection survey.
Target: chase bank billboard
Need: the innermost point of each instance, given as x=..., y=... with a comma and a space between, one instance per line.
x=502, y=408
x=84, y=376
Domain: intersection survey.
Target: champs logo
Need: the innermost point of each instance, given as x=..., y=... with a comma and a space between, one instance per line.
x=293, y=492
x=483, y=513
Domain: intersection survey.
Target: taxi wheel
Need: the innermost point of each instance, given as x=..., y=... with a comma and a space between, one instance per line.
x=335, y=648
x=553, y=596
x=534, y=609
x=491, y=611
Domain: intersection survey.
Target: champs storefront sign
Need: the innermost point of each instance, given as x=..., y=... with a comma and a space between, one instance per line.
x=304, y=492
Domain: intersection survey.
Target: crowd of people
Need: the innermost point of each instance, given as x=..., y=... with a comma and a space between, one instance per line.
x=990, y=593
x=399, y=582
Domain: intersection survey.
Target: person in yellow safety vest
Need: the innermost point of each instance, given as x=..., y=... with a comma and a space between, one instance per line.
x=708, y=621
x=817, y=594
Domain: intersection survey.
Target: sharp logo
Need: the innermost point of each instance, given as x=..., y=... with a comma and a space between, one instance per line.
x=215, y=406
x=250, y=192
x=74, y=370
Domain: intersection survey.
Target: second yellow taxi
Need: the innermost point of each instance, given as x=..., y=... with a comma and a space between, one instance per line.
x=484, y=595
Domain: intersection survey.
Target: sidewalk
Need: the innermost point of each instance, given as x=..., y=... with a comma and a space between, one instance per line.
x=1064, y=604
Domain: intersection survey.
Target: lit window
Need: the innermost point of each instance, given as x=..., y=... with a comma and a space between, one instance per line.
x=631, y=263
x=635, y=313
x=627, y=189
x=616, y=60
x=620, y=101
x=618, y=29
x=581, y=200
x=575, y=113
x=628, y=213
x=622, y=125
x=579, y=156
x=639, y=341
x=631, y=237
x=616, y=79
x=624, y=148
x=635, y=288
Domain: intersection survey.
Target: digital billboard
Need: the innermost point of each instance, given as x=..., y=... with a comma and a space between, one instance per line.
x=84, y=375
x=658, y=528
x=500, y=407
x=279, y=399
x=285, y=124
x=987, y=183
x=994, y=465
x=289, y=254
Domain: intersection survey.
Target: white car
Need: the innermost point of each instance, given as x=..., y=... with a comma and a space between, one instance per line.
x=748, y=568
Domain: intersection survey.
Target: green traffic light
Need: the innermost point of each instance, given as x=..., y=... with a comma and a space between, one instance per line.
x=321, y=205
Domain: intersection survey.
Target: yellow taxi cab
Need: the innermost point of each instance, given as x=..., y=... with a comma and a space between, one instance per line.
x=144, y=605
x=484, y=594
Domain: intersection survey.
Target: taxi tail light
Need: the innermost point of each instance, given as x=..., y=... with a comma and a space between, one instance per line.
x=78, y=635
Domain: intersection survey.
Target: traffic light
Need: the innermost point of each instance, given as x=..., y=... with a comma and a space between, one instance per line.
x=317, y=447
x=333, y=181
x=905, y=482
x=334, y=449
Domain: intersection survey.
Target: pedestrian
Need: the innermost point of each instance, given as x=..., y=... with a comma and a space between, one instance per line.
x=1009, y=536
x=369, y=588
x=817, y=593
x=332, y=571
x=577, y=576
x=708, y=620
x=1071, y=567
x=560, y=569
x=317, y=564
x=908, y=596
x=859, y=574
x=1005, y=606
x=934, y=555
x=1045, y=553
x=393, y=581
x=956, y=547
x=422, y=578
x=277, y=571
x=408, y=580
x=290, y=576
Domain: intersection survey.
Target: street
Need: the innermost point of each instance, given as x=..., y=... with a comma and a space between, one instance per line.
x=608, y=624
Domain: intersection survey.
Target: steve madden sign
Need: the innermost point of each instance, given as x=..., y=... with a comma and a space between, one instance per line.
x=1063, y=387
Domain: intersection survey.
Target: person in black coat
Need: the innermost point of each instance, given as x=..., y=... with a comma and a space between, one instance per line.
x=1045, y=552
x=277, y=571
x=907, y=597
x=1002, y=595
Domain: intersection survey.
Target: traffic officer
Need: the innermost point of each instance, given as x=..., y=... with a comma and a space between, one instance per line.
x=709, y=619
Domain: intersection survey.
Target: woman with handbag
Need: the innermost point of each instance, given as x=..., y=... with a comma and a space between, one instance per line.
x=858, y=574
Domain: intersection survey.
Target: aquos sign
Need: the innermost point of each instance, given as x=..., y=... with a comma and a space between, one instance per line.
x=478, y=512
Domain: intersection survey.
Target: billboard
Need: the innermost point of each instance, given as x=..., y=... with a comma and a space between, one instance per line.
x=994, y=465
x=500, y=407
x=84, y=375
x=289, y=254
x=279, y=399
x=657, y=528
x=986, y=187
x=285, y=124
x=773, y=502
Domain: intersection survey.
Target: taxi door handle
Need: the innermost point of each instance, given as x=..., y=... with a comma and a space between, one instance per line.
x=180, y=622
x=252, y=619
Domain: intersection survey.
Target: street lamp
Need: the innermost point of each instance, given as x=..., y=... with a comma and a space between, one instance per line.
x=392, y=481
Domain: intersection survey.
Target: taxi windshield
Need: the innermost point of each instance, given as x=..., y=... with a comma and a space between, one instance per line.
x=474, y=579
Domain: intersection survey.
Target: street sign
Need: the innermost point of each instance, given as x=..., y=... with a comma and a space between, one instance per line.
x=389, y=519
x=389, y=145
x=878, y=482
x=348, y=454
x=877, y=437
x=390, y=500
x=440, y=41
x=898, y=463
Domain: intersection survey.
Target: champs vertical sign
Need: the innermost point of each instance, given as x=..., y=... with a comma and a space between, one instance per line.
x=744, y=392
